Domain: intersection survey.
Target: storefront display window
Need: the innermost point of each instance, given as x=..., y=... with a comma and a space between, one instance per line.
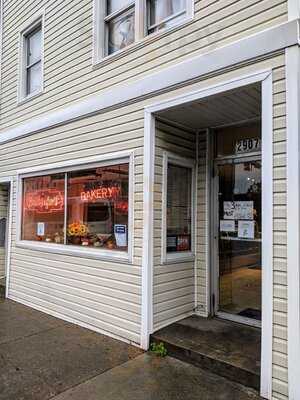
x=179, y=208
x=95, y=214
x=43, y=208
x=98, y=207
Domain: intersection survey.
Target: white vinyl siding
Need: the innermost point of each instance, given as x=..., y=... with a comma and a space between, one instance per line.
x=102, y=295
x=173, y=286
x=69, y=75
x=280, y=381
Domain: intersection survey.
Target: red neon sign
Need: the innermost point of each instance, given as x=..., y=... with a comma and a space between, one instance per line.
x=109, y=192
x=44, y=201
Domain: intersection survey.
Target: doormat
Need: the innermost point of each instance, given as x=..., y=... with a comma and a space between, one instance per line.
x=251, y=313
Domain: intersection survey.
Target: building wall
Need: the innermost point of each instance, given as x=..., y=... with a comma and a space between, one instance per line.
x=203, y=210
x=280, y=379
x=69, y=74
x=3, y=214
x=104, y=295
x=108, y=294
x=173, y=283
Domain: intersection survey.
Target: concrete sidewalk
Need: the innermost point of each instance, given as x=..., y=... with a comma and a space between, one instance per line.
x=44, y=358
x=148, y=377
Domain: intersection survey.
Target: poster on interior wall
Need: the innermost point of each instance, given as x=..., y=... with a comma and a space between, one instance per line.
x=227, y=225
x=183, y=243
x=121, y=235
x=246, y=229
x=40, y=229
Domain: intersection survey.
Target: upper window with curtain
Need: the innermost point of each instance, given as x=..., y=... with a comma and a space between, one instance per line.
x=165, y=13
x=119, y=24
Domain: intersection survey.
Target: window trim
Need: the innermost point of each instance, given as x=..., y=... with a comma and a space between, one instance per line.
x=84, y=163
x=36, y=21
x=142, y=37
x=180, y=256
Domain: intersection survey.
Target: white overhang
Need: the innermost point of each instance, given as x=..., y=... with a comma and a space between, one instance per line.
x=255, y=46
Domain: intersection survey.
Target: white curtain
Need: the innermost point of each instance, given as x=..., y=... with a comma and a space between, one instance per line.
x=165, y=8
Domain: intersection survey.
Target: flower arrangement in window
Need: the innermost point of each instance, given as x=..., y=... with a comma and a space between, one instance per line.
x=77, y=233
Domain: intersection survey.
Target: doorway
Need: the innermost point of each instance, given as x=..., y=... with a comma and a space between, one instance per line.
x=237, y=188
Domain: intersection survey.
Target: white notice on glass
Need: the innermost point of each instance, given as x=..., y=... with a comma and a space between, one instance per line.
x=228, y=209
x=227, y=225
x=40, y=229
x=243, y=209
x=121, y=235
x=238, y=209
x=246, y=229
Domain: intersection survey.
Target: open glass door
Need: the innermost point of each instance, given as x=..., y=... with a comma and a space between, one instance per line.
x=238, y=234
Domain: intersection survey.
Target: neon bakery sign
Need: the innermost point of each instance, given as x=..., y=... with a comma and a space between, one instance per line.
x=101, y=193
x=44, y=201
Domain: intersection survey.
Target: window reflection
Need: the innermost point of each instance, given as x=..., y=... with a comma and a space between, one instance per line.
x=161, y=12
x=43, y=208
x=120, y=32
x=98, y=207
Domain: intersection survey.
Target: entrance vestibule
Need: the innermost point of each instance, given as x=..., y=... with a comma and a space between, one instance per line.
x=225, y=234
x=225, y=224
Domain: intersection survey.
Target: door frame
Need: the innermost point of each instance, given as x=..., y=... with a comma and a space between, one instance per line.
x=214, y=218
x=9, y=182
x=259, y=76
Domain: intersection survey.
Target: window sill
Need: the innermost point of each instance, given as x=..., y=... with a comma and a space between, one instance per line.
x=28, y=98
x=97, y=254
x=101, y=62
x=180, y=257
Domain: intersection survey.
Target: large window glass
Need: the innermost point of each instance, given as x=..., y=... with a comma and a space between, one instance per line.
x=119, y=22
x=98, y=207
x=179, y=208
x=43, y=208
x=164, y=13
x=95, y=214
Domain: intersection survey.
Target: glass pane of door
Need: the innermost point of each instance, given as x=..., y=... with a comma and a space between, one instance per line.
x=239, y=200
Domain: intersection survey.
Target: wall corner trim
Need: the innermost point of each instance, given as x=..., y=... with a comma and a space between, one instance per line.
x=293, y=217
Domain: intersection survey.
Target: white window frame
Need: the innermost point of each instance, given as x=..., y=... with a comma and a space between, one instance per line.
x=174, y=159
x=141, y=29
x=34, y=23
x=85, y=163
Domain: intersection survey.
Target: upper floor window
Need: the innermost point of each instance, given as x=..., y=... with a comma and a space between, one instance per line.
x=120, y=23
x=165, y=13
x=31, y=61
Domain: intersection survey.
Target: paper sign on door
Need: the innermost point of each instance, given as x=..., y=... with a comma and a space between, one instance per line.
x=246, y=229
x=227, y=225
x=238, y=209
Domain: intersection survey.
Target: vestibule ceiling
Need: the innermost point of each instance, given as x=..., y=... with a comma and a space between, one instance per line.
x=229, y=107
